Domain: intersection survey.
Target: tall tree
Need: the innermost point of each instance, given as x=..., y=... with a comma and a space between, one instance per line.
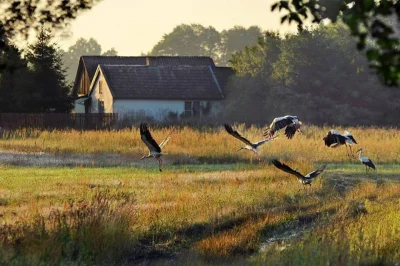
x=14, y=80
x=20, y=17
x=80, y=48
x=50, y=92
x=187, y=40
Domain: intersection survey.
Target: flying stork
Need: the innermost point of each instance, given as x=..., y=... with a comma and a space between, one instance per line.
x=249, y=146
x=292, y=124
x=304, y=179
x=155, y=149
x=334, y=139
x=365, y=160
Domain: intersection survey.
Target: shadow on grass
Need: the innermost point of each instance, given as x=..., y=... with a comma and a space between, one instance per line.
x=173, y=247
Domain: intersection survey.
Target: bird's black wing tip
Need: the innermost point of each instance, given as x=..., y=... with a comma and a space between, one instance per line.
x=275, y=162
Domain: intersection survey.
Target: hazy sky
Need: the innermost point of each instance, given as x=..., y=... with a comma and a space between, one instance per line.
x=133, y=26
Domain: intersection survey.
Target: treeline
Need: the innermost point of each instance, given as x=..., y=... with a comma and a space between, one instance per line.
x=195, y=39
x=79, y=48
x=33, y=80
x=316, y=74
x=184, y=40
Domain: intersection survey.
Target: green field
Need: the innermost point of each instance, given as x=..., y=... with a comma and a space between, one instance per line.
x=199, y=214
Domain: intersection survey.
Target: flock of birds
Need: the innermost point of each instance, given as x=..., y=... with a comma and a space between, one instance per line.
x=291, y=125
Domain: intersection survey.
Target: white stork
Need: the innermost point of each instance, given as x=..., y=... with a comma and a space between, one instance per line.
x=365, y=160
x=155, y=149
x=249, y=146
x=304, y=179
x=334, y=139
x=292, y=124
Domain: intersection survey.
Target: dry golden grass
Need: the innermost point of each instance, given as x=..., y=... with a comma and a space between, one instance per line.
x=220, y=214
x=126, y=215
x=188, y=145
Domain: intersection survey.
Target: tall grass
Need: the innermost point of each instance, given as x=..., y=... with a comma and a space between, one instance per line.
x=94, y=230
x=212, y=145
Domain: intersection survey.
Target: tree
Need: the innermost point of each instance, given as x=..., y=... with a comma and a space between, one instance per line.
x=251, y=87
x=50, y=92
x=196, y=39
x=189, y=40
x=316, y=74
x=80, y=48
x=14, y=80
x=20, y=17
x=236, y=39
x=366, y=19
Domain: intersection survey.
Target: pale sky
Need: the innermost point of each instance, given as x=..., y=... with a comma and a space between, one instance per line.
x=135, y=26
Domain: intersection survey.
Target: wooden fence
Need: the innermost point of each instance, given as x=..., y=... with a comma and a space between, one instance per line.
x=57, y=120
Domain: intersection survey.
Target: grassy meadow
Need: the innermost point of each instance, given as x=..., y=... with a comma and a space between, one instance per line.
x=207, y=145
x=210, y=205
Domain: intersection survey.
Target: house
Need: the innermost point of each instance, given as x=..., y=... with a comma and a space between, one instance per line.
x=151, y=86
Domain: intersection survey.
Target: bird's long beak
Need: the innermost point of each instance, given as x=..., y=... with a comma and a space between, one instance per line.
x=358, y=150
x=240, y=149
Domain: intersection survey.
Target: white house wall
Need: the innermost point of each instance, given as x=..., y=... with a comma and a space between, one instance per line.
x=158, y=109
x=106, y=96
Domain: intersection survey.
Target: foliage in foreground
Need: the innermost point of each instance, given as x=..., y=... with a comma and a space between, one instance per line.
x=94, y=230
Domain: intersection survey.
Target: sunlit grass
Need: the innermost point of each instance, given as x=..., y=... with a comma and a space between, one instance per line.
x=203, y=211
x=217, y=214
x=365, y=232
x=188, y=145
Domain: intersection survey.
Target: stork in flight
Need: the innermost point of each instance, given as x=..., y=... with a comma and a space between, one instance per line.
x=155, y=149
x=304, y=179
x=249, y=146
x=365, y=160
x=292, y=124
x=334, y=139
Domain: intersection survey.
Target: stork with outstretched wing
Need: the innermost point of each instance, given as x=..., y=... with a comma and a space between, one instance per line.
x=335, y=139
x=290, y=122
x=155, y=149
x=304, y=179
x=249, y=146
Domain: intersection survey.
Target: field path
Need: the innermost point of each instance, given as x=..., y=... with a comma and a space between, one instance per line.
x=42, y=159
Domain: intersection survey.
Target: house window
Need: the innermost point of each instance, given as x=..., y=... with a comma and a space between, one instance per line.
x=188, y=108
x=101, y=86
x=196, y=108
x=192, y=108
x=100, y=106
